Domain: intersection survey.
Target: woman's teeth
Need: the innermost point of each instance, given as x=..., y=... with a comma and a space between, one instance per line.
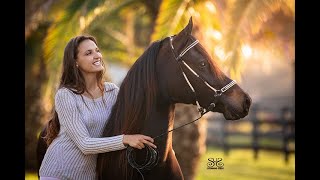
x=97, y=63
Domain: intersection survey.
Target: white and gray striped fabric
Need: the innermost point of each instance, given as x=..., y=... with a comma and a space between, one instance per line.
x=73, y=154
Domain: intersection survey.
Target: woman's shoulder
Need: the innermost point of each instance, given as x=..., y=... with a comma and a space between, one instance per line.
x=109, y=86
x=63, y=92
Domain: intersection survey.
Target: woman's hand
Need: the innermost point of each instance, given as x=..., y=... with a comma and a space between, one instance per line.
x=138, y=141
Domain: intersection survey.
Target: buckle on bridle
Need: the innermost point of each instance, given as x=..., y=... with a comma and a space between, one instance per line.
x=201, y=110
x=218, y=93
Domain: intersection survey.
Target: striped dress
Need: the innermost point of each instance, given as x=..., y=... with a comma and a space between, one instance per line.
x=73, y=154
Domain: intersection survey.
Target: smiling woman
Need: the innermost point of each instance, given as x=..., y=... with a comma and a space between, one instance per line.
x=73, y=137
x=89, y=58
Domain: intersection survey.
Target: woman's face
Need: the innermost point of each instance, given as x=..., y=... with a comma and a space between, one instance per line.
x=89, y=58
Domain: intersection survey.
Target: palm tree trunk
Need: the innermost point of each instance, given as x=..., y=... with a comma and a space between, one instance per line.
x=189, y=142
x=153, y=8
x=35, y=78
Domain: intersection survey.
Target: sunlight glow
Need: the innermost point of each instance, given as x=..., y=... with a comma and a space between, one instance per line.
x=219, y=51
x=82, y=22
x=180, y=12
x=86, y=20
x=217, y=35
x=97, y=10
x=266, y=67
x=210, y=32
x=246, y=51
x=193, y=12
x=211, y=7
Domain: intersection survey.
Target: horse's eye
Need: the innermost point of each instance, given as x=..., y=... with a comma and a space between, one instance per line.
x=202, y=64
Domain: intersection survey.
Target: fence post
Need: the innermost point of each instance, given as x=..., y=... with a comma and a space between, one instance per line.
x=285, y=122
x=255, y=131
x=225, y=144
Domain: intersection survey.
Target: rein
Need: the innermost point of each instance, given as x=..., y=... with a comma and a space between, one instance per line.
x=152, y=157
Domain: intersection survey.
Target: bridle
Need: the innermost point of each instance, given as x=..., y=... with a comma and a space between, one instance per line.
x=152, y=156
x=218, y=92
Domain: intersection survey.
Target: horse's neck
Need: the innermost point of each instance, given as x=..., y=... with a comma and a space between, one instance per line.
x=160, y=122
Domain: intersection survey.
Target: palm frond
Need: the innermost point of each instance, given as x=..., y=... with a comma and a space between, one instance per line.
x=109, y=11
x=117, y=31
x=206, y=19
x=246, y=18
x=289, y=7
x=62, y=27
x=75, y=19
x=65, y=25
x=170, y=18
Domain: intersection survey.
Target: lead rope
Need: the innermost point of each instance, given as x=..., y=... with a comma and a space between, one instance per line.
x=152, y=157
x=151, y=160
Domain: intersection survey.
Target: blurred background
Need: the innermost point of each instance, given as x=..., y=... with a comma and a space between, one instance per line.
x=253, y=41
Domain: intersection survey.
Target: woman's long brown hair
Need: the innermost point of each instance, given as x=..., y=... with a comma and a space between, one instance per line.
x=72, y=79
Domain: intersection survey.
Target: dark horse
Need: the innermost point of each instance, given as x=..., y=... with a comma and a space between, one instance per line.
x=176, y=69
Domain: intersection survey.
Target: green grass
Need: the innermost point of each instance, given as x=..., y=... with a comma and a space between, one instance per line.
x=240, y=165
x=31, y=176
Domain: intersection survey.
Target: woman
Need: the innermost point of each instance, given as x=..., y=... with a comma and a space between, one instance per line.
x=83, y=103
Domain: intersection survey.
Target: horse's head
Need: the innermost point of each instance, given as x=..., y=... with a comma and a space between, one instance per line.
x=187, y=74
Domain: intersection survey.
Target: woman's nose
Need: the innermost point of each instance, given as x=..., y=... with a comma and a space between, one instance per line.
x=98, y=55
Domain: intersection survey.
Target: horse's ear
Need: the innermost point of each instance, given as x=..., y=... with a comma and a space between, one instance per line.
x=188, y=29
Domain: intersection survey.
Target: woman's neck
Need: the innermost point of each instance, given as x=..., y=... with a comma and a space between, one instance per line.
x=91, y=82
x=92, y=86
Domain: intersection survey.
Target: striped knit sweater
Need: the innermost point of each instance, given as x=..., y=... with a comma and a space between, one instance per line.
x=73, y=154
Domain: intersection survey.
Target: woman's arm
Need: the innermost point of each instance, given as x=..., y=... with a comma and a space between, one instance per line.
x=70, y=118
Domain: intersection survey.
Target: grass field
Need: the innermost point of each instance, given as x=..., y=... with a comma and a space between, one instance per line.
x=240, y=165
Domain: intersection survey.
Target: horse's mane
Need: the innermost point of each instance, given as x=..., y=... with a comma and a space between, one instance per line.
x=136, y=97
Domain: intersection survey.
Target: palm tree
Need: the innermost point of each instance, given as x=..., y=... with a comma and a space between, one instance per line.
x=36, y=74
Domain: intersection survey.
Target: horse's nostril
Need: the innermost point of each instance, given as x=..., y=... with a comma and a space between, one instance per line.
x=247, y=103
